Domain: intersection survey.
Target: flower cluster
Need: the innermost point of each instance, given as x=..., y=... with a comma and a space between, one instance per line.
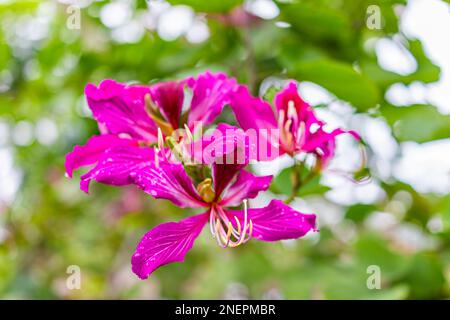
x=152, y=137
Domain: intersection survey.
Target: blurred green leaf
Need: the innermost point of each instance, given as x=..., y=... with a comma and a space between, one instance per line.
x=208, y=6
x=309, y=185
x=317, y=22
x=340, y=79
x=359, y=212
x=420, y=123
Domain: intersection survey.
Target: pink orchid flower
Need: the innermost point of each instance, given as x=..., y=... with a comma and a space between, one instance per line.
x=130, y=117
x=228, y=185
x=299, y=128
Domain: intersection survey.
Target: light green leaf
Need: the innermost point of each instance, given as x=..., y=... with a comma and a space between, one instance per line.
x=420, y=123
x=340, y=79
x=208, y=6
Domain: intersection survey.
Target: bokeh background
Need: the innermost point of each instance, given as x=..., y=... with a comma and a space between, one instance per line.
x=391, y=82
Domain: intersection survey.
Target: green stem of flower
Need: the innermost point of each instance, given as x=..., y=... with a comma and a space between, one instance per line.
x=297, y=181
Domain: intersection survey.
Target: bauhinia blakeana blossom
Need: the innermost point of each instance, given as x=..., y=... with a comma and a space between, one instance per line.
x=140, y=143
x=130, y=117
x=299, y=128
x=221, y=186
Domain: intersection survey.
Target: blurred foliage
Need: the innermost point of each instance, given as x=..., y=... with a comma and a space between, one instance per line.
x=51, y=224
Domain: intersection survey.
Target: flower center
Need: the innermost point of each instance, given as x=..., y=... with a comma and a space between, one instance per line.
x=292, y=130
x=226, y=233
x=154, y=113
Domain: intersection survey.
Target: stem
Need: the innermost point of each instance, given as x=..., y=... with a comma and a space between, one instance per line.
x=250, y=61
x=298, y=182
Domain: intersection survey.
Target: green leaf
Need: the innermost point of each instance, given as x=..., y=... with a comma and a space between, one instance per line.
x=426, y=277
x=420, y=123
x=283, y=183
x=208, y=6
x=426, y=71
x=372, y=250
x=359, y=212
x=317, y=22
x=340, y=79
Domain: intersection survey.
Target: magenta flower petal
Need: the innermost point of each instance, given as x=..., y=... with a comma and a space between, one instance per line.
x=225, y=144
x=277, y=221
x=169, y=97
x=290, y=95
x=223, y=174
x=116, y=164
x=91, y=152
x=211, y=92
x=246, y=186
x=257, y=118
x=321, y=137
x=120, y=109
x=166, y=243
x=251, y=112
x=168, y=181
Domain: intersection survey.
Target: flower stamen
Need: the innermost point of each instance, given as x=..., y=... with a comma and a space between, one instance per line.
x=154, y=113
x=291, y=111
x=227, y=234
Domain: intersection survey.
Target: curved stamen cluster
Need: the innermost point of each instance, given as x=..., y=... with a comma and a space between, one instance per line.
x=227, y=234
x=292, y=130
x=154, y=112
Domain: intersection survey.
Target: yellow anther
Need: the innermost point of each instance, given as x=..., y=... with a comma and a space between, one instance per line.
x=153, y=111
x=234, y=235
x=190, y=137
x=206, y=191
x=160, y=139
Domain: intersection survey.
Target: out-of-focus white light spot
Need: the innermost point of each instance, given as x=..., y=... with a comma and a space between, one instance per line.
x=131, y=32
x=9, y=177
x=83, y=108
x=400, y=95
x=32, y=70
x=397, y=94
x=369, y=45
x=273, y=167
x=155, y=9
x=415, y=23
x=270, y=82
x=381, y=221
x=283, y=24
x=392, y=56
x=314, y=94
x=6, y=79
x=347, y=192
x=67, y=64
x=435, y=224
x=411, y=238
x=4, y=133
x=46, y=131
x=198, y=32
x=115, y=14
x=79, y=3
x=314, y=127
x=328, y=214
x=265, y=9
x=23, y=133
x=378, y=135
x=425, y=166
x=175, y=22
